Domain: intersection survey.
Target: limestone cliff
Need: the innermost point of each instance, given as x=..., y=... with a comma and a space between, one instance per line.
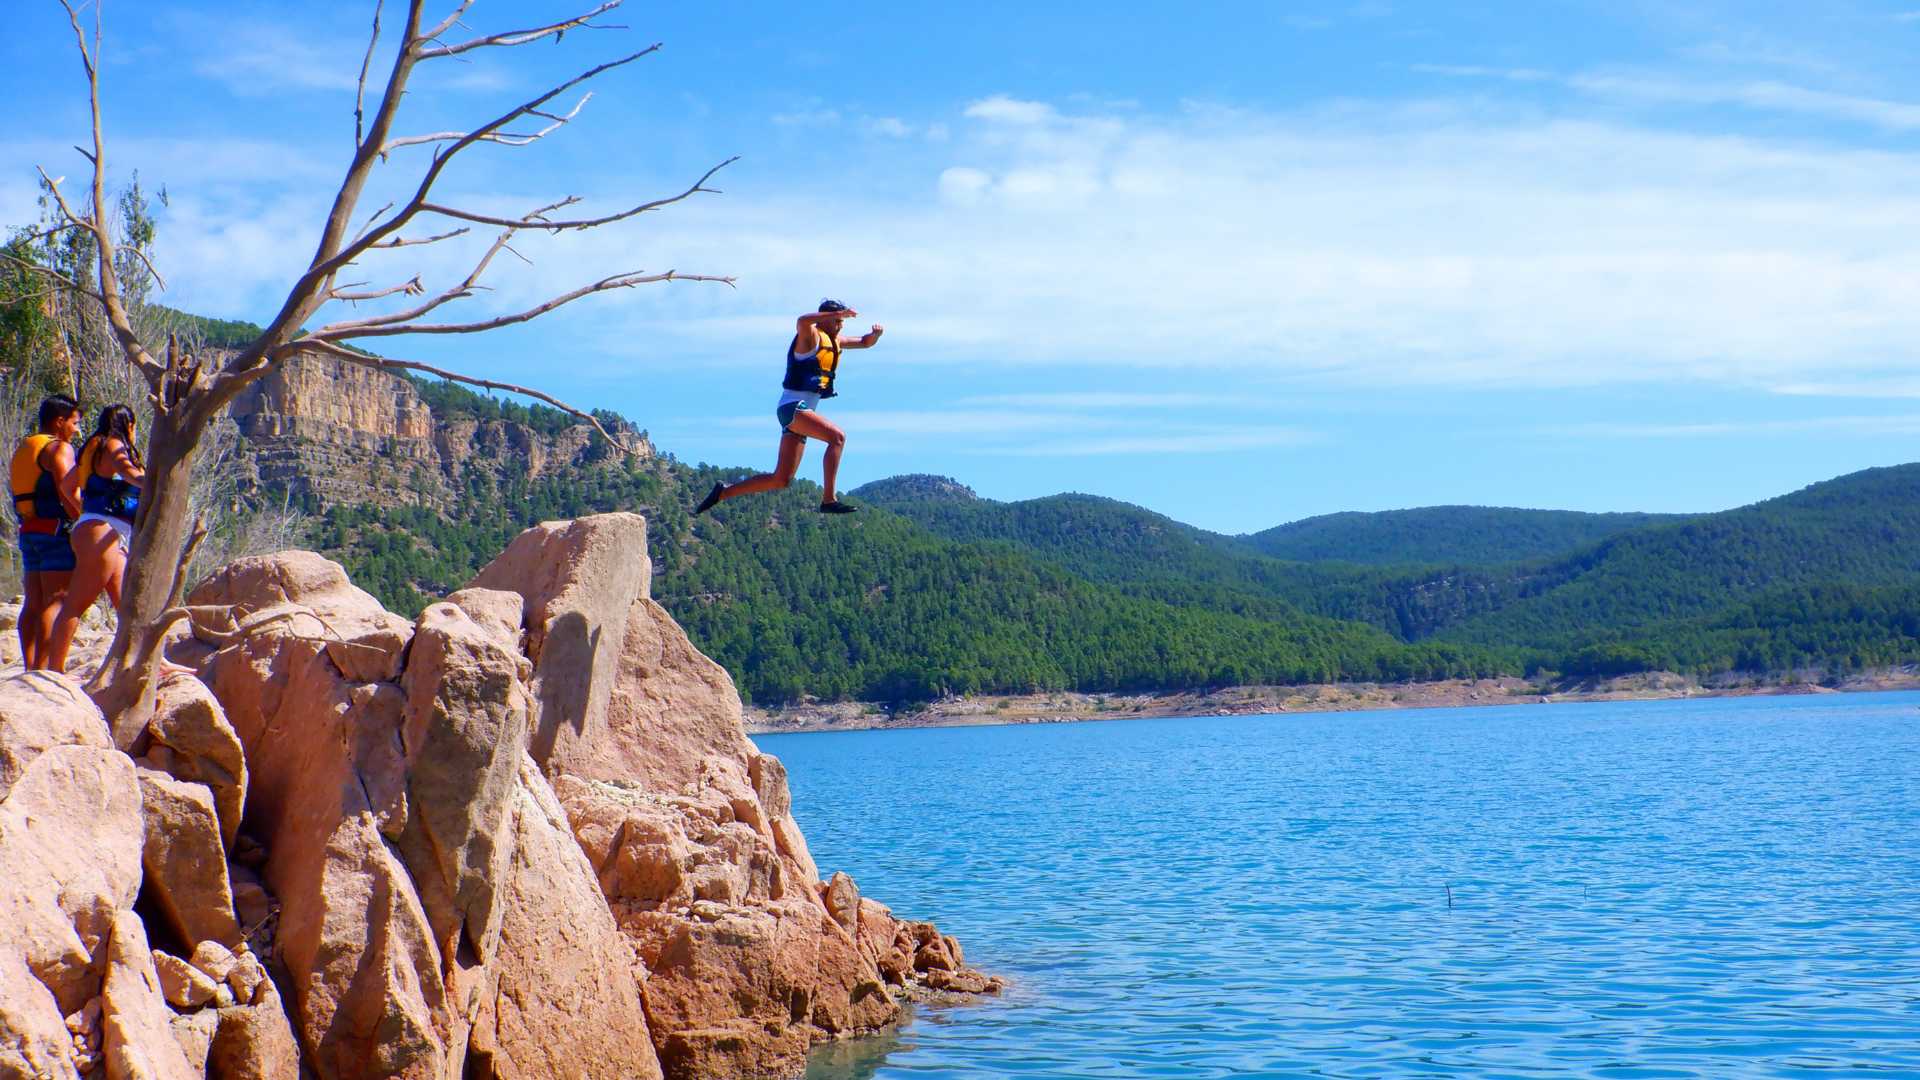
x=326, y=431
x=520, y=836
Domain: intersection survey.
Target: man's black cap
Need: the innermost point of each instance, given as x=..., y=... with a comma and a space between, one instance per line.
x=831, y=305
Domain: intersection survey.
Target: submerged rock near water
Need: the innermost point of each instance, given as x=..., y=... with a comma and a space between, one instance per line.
x=521, y=836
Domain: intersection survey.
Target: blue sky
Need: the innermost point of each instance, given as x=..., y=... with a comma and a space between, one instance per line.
x=1238, y=262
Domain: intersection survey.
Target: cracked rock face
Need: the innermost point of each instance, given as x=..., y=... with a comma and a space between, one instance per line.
x=521, y=836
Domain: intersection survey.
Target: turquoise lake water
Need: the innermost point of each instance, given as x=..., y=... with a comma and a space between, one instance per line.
x=1721, y=888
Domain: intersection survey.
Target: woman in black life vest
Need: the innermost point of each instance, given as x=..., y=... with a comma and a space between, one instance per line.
x=813, y=361
x=106, y=481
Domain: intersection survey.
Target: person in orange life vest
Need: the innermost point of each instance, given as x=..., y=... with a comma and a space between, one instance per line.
x=40, y=462
x=106, y=480
x=813, y=362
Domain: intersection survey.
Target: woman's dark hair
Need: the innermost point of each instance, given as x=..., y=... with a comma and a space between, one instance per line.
x=56, y=407
x=116, y=421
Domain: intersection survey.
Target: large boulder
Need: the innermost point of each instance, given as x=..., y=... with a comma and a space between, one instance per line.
x=186, y=866
x=140, y=1043
x=569, y=1002
x=299, y=592
x=465, y=732
x=34, y=1040
x=579, y=580
x=190, y=739
x=327, y=800
x=739, y=990
x=254, y=1042
x=39, y=710
x=70, y=840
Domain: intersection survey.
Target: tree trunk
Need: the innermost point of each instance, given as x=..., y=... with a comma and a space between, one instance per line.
x=125, y=684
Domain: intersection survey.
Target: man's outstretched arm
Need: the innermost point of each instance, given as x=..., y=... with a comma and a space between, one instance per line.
x=866, y=341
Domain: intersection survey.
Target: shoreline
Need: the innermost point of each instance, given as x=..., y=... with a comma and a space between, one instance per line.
x=988, y=710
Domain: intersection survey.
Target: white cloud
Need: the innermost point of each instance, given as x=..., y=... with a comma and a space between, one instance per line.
x=891, y=127
x=1102, y=400
x=963, y=185
x=808, y=118
x=1357, y=246
x=1001, y=109
x=1176, y=442
x=257, y=57
x=1418, y=249
x=1762, y=94
x=1844, y=425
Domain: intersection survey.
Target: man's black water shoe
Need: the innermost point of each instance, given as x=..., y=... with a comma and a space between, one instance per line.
x=713, y=496
x=837, y=507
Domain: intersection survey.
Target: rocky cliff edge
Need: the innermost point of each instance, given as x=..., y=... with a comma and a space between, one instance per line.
x=521, y=836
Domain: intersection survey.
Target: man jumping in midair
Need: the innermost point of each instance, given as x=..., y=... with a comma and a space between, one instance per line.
x=813, y=360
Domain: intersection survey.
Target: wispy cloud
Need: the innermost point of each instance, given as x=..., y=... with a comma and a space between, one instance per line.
x=1107, y=400
x=1411, y=246
x=256, y=57
x=1007, y=110
x=1652, y=87
x=891, y=127
x=1764, y=95
x=808, y=118
x=1848, y=425
x=1192, y=442
x=1874, y=387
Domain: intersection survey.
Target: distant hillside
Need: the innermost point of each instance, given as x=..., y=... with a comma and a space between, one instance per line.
x=1445, y=535
x=915, y=487
x=874, y=607
x=1668, y=593
x=932, y=589
x=1860, y=530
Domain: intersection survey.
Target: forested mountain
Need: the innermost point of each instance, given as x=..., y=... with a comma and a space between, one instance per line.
x=875, y=607
x=1861, y=530
x=1451, y=535
x=933, y=589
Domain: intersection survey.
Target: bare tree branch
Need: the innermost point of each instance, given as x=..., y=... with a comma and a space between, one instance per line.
x=104, y=248
x=618, y=281
x=74, y=221
x=148, y=263
x=179, y=590
x=699, y=186
x=401, y=241
x=360, y=88
x=512, y=37
x=47, y=234
x=385, y=363
x=449, y=22
x=464, y=289
x=504, y=138
x=49, y=272
x=309, y=292
x=411, y=288
x=80, y=38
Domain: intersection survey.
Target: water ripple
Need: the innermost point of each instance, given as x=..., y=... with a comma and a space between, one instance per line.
x=1723, y=888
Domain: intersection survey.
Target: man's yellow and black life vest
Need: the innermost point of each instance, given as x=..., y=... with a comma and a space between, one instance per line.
x=814, y=374
x=36, y=501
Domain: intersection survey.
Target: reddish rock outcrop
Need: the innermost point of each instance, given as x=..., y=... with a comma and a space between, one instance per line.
x=521, y=836
x=688, y=828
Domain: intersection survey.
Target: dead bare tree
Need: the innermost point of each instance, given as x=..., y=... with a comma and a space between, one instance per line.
x=187, y=397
